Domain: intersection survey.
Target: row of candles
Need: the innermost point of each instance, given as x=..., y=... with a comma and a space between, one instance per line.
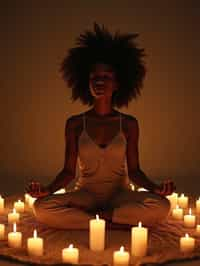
x=139, y=234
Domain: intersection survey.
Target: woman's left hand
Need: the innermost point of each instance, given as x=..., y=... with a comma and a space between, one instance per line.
x=166, y=188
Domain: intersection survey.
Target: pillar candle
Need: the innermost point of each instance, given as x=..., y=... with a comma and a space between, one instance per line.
x=173, y=200
x=139, y=238
x=13, y=217
x=2, y=231
x=121, y=257
x=198, y=206
x=183, y=201
x=177, y=213
x=19, y=206
x=15, y=238
x=189, y=219
x=187, y=243
x=35, y=245
x=97, y=234
x=70, y=255
x=1, y=204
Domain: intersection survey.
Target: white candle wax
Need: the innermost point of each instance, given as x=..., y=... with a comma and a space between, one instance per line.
x=189, y=219
x=187, y=243
x=121, y=257
x=183, y=201
x=198, y=206
x=15, y=238
x=35, y=245
x=97, y=234
x=2, y=231
x=1, y=204
x=177, y=213
x=173, y=198
x=139, y=239
x=13, y=217
x=19, y=206
x=70, y=255
x=198, y=229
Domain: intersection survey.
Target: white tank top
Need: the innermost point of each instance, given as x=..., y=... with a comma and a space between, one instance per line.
x=102, y=170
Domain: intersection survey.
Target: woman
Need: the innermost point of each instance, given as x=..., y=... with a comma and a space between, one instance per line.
x=104, y=71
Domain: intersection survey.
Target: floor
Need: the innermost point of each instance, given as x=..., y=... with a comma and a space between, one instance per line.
x=191, y=263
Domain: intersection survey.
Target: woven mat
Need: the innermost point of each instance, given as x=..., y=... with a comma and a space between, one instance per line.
x=163, y=243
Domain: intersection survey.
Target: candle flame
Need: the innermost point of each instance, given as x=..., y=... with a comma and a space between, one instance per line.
x=35, y=233
x=186, y=235
x=14, y=228
x=71, y=246
x=0, y=197
x=182, y=195
x=190, y=211
x=14, y=211
x=121, y=249
x=177, y=207
x=19, y=200
x=199, y=198
x=140, y=224
x=97, y=216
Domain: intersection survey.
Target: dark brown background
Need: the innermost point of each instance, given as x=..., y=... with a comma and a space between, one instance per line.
x=35, y=102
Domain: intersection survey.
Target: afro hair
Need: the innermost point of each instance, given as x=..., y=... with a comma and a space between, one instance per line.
x=100, y=46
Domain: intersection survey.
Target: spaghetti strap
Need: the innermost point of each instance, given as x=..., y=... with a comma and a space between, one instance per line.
x=84, y=125
x=120, y=122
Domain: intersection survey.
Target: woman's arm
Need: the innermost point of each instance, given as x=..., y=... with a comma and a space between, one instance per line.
x=134, y=171
x=71, y=150
x=35, y=189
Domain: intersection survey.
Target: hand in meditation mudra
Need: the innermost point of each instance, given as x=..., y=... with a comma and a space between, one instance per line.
x=104, y=71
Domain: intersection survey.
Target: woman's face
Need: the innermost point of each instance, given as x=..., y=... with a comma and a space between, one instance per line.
x=102, y=81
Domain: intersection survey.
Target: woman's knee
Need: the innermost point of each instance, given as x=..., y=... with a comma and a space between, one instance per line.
x=164, y=207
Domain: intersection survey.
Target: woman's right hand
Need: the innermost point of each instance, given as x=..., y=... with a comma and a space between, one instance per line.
x=36, y=190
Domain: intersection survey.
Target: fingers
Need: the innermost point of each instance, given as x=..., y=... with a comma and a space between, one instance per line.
x=168, y=187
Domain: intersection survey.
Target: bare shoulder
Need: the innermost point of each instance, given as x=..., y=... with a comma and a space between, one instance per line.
x=74, y=123
x=129, y=124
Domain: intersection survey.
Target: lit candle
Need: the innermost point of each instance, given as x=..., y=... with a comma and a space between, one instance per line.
x=173, y=198
x=97, y=234
x=189, y=219
x=13, y=217
x=198, y=229
x=183, y=201
x=177, y=213
x=19, y=206
x=121, y=257
x=15, y=238
x=70, y=255
x=2, y=231
x=1, y=204
x=198, y=206
x=187, y=243
x=35, y=245
x=139, y=238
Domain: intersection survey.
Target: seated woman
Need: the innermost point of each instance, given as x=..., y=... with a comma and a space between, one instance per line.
x=104, y=71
